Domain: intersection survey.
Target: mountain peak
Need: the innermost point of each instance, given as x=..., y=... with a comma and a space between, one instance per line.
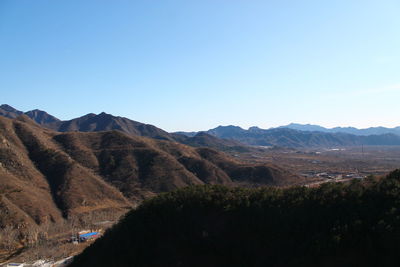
x=305, y=127
x=254, y=129
x=9, y=108
x=41, y=117
x=9, y=112
x=228, y=127
x=106, y=115
x=226, y=131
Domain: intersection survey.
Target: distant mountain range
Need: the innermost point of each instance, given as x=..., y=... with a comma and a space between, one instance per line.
x=348, y=130
x=314, y=128
x=225, y=138
x=286, y=137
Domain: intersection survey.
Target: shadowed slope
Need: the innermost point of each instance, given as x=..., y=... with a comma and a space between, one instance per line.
x=106, y=122
x=9, y=112
x=48, y=175
x=355, y=224
x=43, y=181
x=203, y=139
x=41, y=117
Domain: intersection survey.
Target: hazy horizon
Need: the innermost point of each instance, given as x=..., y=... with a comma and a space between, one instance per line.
x=190, y=66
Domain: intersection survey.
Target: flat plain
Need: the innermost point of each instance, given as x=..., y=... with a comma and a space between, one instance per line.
x=329, y=163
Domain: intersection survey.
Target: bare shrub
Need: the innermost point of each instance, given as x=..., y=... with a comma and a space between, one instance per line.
x=9, y=238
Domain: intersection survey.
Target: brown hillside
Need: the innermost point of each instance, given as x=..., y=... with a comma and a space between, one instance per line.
x=47, y=175
x=203, y=139
x=107, y=122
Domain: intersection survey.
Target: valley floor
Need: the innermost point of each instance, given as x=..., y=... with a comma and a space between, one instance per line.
x=330, y=164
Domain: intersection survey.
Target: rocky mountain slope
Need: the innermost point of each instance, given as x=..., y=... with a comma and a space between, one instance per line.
x=89, y=123
x=9, y=111
x=106, y=122
x=46, y=176
x=41, y=117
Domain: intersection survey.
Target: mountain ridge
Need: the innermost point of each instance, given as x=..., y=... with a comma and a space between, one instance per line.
x=350, y=130
x=287, y=137
x=225, y=138
x=36, y=114
x=105, y=122
x=46, y=176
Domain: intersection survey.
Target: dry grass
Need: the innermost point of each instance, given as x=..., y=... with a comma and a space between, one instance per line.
x=48, y=177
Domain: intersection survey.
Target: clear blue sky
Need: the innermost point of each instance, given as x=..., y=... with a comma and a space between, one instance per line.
x=194, y=65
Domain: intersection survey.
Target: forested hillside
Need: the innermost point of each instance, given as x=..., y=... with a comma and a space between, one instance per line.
x=356, y=224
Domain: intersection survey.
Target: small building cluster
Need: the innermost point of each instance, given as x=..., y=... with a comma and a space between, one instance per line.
x=84, y=236
x=333, y=175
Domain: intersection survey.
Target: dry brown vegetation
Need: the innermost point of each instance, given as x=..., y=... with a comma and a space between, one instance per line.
x=49, y=178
